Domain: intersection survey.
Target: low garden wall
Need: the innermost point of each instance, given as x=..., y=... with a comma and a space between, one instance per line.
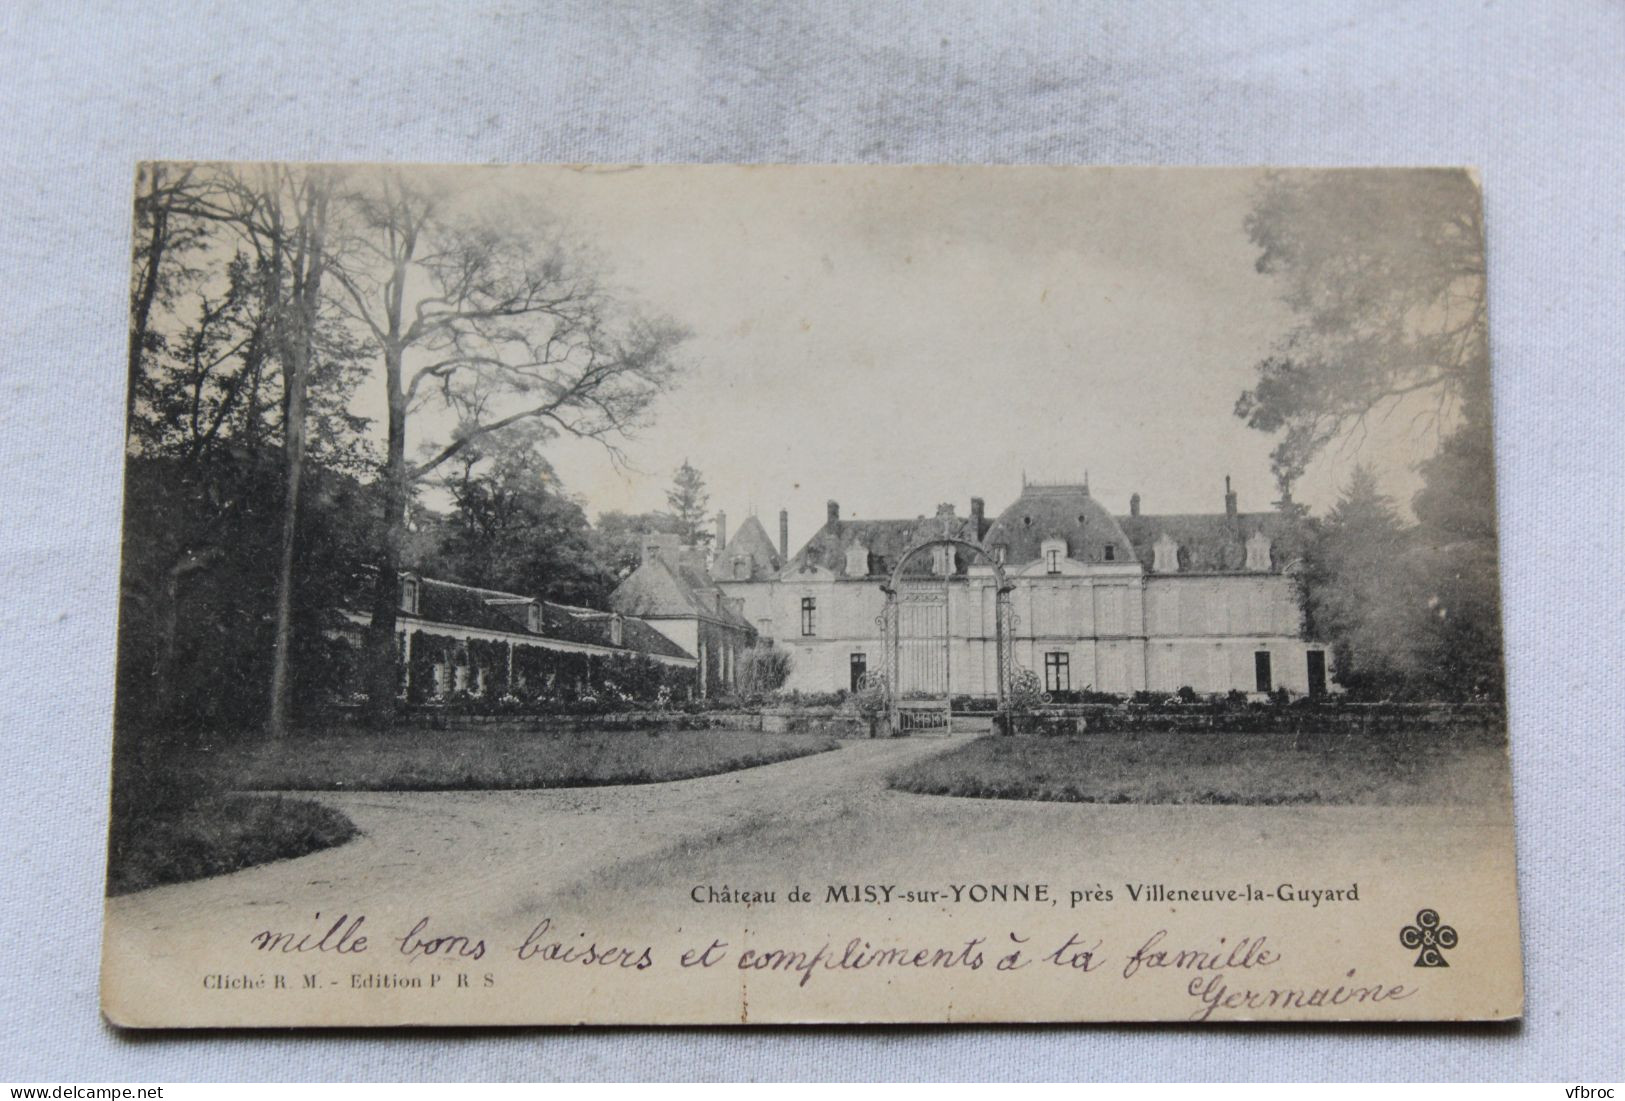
x=828, y=721
x=825, y=721
x=621, y=720
x=1486, y=720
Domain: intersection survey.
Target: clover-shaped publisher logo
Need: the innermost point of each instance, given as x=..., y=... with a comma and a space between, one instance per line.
x=1429, y=938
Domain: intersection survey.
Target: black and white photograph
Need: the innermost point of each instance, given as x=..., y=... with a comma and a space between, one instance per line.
x=757, y=595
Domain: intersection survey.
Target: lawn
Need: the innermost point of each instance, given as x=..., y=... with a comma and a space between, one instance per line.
x=203, y=812
x=1185, y=767
x=431, y=760
x=217, y=834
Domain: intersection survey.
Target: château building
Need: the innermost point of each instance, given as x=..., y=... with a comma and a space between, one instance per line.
x=1101, y=602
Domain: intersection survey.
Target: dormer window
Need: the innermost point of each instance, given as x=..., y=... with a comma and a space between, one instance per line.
x=533, y=618
x=1109, y=552
x=1052, y=551
x=1000, y=552
x=617, y=630
x=741, y=568
x=1165, y=552
x=409, y=595
x=1258, y=552
x=857, y=560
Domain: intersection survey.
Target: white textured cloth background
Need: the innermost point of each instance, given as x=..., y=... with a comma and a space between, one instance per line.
x=1532, y=93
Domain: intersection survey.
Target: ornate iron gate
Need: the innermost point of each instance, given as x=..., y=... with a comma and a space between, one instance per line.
x=917, y=627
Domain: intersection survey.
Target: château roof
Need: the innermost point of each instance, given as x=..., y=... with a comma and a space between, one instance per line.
x=751, y=543
x=1057, y=512
x=885, y=540
x=1213, y=542
x=663, y=588
x=494, y=610
x=1208, y=542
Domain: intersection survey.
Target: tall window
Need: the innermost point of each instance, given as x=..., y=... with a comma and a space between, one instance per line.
x=409, y=595
x=1261, y=670
x=809, y=616
x=860, y=666
x=1052, y=561
x=1057, y=672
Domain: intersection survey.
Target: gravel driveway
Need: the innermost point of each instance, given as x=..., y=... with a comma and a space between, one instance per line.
x=490, y=855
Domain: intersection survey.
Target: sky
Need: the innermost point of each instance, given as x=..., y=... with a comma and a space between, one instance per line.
x=894, y=338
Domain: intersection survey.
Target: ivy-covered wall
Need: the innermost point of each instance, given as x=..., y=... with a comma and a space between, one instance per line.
x=445, y=667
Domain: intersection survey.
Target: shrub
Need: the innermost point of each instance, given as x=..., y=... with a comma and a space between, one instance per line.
x=874, y=698
x=763, y=669
x=1026, y=690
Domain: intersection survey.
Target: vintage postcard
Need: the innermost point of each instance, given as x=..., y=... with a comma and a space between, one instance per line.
x=734, y=595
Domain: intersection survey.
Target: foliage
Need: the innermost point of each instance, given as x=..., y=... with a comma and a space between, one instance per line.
x=511, y=527
x=762, y=669
x=618, y=538
x=217, y=835
x=1385, y=277
x=687, y=500
x=197, y=591
x=1026, y=690
x=542, y=677
x=1359, y=594
x=1084, y=695
x=1455, y=568
x=873, y=696
x=1385, y=274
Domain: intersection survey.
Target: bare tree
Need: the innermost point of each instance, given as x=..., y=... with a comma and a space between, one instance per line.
x=496, y=324
x=164, y=237
x=296, y=212
x=1384, y=274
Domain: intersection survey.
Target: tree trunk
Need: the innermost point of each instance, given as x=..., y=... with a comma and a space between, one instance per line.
x=295, y=325
x=381, y=662
x=293, y=446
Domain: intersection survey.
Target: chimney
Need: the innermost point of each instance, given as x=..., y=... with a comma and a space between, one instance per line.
x=978, y=517
x=1134, y=504
x=784, y=535
x=833, y=512
x=722, y=529
x=655, y=544
x=1229, y=498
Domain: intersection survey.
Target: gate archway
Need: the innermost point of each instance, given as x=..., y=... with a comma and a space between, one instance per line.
x=917, y=629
